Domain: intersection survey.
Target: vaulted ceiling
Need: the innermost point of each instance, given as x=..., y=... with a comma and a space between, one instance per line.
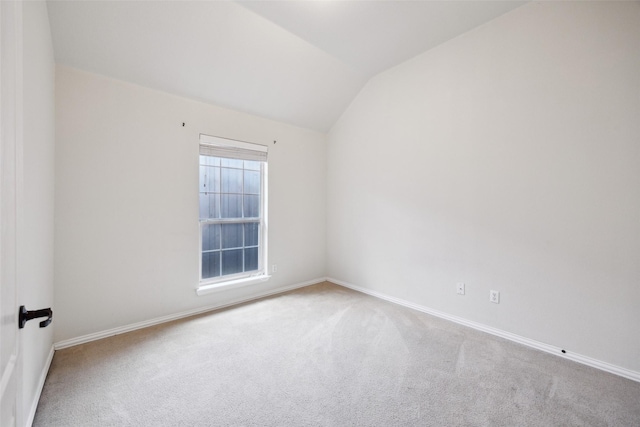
x=299, y=62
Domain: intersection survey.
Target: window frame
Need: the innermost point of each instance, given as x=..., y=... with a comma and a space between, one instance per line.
x=214, y=284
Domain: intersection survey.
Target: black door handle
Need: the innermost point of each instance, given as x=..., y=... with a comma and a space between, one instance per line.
x=25, y=315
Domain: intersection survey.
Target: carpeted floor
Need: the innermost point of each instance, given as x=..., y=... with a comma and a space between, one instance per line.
x=325, y=356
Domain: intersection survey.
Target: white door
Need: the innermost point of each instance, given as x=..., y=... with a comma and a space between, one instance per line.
x=10, y=126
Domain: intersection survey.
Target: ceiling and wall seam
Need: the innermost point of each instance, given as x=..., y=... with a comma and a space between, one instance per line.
x=241, y=56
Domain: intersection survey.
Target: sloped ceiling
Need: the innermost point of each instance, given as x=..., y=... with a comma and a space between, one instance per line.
x=299, y=62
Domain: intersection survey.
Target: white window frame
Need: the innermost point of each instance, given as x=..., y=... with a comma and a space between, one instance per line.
x=216, y=284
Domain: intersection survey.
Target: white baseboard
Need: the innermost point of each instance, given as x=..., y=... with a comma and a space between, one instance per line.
x=585, y=360
x=140, y=325
x=36, y=398
x=557, y=351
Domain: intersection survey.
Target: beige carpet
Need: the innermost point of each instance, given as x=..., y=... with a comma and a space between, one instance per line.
x=325, y=356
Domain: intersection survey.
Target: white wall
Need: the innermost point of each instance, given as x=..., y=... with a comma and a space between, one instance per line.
x=127, y=202
x=507, y=158
x=35, y=232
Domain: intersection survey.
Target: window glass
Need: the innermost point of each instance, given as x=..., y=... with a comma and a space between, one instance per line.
x=232, y=236
x=232, y=163
x=232, y=262
x=251, y=234
x=231, y=206
x=250, y=259
x=210, y=237
x=209, y=160
x=209, y=179
x=250, y=165
x=210, y=264
x=251, y=182
x=231, y=180
x=251, y=206
x=209, y=205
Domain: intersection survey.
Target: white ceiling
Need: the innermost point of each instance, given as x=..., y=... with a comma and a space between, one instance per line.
x=299, y=62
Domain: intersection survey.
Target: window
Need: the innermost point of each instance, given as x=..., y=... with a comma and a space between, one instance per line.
x=232, y=194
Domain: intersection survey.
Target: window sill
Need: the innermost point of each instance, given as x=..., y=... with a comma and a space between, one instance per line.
x=205, y=289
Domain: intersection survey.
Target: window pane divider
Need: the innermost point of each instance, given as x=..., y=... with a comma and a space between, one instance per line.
x=229, y=220
x=206, y=251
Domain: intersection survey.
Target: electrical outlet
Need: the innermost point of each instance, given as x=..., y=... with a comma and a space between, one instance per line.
x=494, y=296
x=274, y=268
x=460, y=288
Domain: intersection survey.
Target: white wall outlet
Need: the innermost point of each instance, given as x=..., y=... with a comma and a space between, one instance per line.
x=274, y=268
x=494, y=296
x=460, y=288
